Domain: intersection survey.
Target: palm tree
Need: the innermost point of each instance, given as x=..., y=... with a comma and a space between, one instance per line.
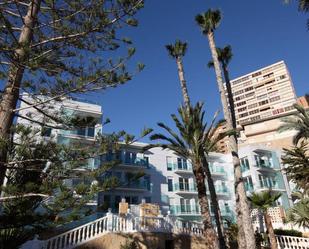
x=262, y=201
x=303, y=6
x=208, y=22
x=177, y=51
x=299, y=213
x=191, y=143
x=224, y=56
x=299, y=122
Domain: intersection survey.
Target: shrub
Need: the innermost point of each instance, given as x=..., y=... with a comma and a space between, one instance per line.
x=130, y=244
x=287, y=232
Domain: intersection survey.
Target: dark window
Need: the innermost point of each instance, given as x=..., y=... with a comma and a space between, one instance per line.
x=147, y=199
x=90, y=132
x=170, y=185
x=46, y=131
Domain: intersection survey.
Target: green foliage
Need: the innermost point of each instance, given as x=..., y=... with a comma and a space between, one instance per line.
x=296, y=160
x=64, y=53
x=224, y=56
x=13, y=237
x=129, y=244
x=288, y=232
x=193, y=138
x=264, y=199
x=37, y=196
x=177, y=50
x=299, y=213
x=299, y=122
x=208, y=21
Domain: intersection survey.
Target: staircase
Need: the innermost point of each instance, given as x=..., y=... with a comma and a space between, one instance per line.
x=115, y=223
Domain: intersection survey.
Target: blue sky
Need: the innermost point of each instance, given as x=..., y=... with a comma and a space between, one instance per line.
x=260, y=33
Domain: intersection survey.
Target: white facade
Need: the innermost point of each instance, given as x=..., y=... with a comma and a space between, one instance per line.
x=169, y=182
x=262, y=170
x=167, y=179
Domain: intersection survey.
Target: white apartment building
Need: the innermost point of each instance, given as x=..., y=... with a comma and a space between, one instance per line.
x=262, y=170
x=168, y=181
x=263, y=94
x=66, y=108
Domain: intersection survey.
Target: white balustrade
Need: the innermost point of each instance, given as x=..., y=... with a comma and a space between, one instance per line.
x=291, y=242
x=115, y=223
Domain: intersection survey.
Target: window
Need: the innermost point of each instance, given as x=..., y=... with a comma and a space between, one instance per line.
x=182, y=163
x=281, y=77
x=256, y=118
x=248, y=89
x=256, y=74
x=254, y=111
x=248, y=183
x=244, y=163
x=46, y=131
x=249, y=94
x=239, y=97
x=274, y=99
x=288, y=108
x=280, y=110
x=147, y=199
x=243, y=115
x=170, y=185
x=169, y=163
x=242, y=109
x=241, y=103
x=183, y=183
x=261, y=96
x=252, y=106
x=263, y=102
x=238, y=92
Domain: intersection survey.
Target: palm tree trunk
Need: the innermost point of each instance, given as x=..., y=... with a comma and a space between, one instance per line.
x=209, y=232
x=270, y=231
x=12, y=88
x=183, y=83
x=229, y=93
x=214, y=201
x=243, y=213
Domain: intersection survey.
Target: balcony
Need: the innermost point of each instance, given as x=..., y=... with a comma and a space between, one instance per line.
x=273, y=186
x=136, y=162
x=135, y=186
x=183, y=188
x=217, y=171
x=249, y=188
x=182, y=168
x=222, y=190
x=185, y=210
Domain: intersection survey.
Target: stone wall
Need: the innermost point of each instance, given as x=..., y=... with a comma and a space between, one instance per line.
x=146, y=241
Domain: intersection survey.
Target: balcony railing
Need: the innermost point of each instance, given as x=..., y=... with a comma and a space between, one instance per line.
x=249, y=188
x=180, y=167
x=140, y=185
x=215, y=170
x=185, y=209
x=222, y=190
x=143, y=162
x=183, y=187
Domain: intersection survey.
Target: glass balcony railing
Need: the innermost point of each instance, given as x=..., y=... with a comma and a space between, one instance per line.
x=221, y=190
x=180, y=167
x=137, y=162
x=249, y=188
x=183, y=187
x=141, y=185
x=185, y=209
x=215, y=170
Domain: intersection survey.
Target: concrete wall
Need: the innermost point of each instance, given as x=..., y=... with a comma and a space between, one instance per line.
x=147, y=241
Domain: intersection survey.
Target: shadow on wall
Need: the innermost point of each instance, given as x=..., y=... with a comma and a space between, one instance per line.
x=146, y=241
